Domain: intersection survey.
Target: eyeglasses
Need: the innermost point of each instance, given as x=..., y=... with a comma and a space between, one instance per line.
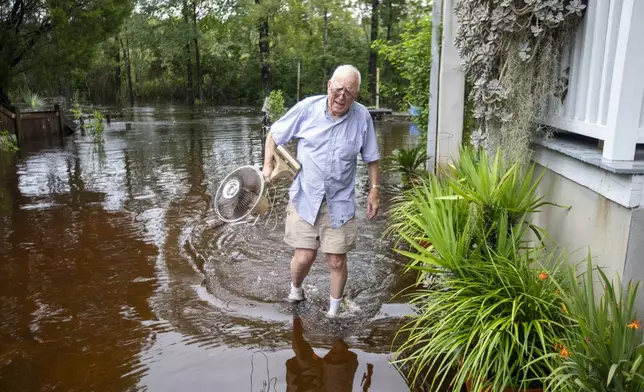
x=337, y=91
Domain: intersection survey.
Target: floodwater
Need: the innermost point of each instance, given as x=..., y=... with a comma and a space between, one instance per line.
x=116, y=275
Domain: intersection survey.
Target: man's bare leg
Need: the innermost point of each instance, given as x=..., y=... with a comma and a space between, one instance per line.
x=300, y=266
x=338, y=271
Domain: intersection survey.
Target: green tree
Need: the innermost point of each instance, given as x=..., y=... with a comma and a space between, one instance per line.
x=163, y=44
x=53, y=33
x=411, y=58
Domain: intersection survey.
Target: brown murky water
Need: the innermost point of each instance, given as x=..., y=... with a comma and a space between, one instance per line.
x=116, y=275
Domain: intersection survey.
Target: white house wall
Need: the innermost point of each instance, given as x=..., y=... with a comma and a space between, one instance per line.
x=593, y=224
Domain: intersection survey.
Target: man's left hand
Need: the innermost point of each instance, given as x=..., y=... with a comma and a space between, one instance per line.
x=373, y=203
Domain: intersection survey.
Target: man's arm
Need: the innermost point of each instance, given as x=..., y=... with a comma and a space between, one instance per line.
x=374, y=174
x=373, y=200
x=269, y=153
x=371, y=156
x=269, y=150
x=281, y=132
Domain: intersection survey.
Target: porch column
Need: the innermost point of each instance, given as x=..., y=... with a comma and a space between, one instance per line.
x=451, y=100
x=627, y=90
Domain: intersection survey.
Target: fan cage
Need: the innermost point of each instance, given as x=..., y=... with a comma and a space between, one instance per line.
x=250, y=209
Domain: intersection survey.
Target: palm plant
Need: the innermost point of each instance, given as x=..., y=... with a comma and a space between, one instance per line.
x=409, y=162
x=34, y=100
x=471, y=201
x=603, y=348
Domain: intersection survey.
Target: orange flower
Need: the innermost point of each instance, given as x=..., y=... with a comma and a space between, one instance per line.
x=634, y=325
x=588, y=340
x=543, y=276
x=556, y=292
x=563, y=351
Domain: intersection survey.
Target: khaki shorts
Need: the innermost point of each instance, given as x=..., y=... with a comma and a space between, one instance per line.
x=301, y=234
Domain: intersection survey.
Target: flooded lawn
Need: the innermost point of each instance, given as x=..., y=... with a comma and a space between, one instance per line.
x=116, y=275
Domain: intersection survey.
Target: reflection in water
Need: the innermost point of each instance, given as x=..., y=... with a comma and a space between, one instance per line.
x=308, y=372
x=116, y=275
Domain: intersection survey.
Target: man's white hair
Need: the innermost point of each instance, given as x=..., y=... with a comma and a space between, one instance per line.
x=346, y=69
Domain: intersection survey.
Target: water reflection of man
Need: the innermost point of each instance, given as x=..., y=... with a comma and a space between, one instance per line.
x=332, y=130
x=307, y=372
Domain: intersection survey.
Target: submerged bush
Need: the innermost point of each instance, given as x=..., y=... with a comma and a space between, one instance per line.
x=8, y=142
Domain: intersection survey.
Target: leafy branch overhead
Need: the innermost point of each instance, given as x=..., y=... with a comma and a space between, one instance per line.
x=511, y=51
x=34, y=33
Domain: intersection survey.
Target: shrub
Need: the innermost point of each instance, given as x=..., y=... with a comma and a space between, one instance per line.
x=8, y=142
x=603, y=348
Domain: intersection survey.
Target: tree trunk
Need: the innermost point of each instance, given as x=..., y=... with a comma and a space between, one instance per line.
x=197, y=59
x=191, y=93
x=373, y=55
x=128, y=69
x=390, y=19
x=118, y=77
x=69, y=84
x=4, y=98
x=264, y=52
x=324, y=41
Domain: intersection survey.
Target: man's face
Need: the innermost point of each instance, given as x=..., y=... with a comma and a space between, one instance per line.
x=342, y=92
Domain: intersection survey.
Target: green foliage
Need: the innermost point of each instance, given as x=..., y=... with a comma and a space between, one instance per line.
x=603, y=348
x=34, y=100
x=77, y=112
x=96, y=126
x=409, y=162
x=8, y=142
x=47, y=40
x=495, y=312
x=92, y=122
x=491, y=319
x=466, y=204
x=411, y=57
x=274, y=105
x=160, y=46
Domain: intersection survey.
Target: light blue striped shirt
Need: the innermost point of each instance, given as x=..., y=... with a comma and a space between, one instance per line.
x=327, y=151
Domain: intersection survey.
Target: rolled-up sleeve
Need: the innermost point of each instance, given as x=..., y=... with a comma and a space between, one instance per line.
x=288, y=126
x=369, y=149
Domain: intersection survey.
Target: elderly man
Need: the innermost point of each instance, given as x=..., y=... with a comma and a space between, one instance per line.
x=331, y=130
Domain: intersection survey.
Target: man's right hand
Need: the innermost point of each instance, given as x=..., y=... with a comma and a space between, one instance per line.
x=266, y=172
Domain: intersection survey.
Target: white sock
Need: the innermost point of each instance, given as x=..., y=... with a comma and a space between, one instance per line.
x=334, y=305
x=295, y=289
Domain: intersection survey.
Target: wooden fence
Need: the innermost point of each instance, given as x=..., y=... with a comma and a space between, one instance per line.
x=34, y=125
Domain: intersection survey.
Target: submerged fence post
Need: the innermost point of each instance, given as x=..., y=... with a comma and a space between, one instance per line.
x=59, y=113
x=18, y=126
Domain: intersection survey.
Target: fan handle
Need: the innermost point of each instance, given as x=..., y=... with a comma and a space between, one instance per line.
x=286, y=166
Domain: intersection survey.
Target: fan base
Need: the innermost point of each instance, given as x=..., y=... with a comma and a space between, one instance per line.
x=261, y=207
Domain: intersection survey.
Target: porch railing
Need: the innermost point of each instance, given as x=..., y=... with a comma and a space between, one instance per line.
x=605, y=70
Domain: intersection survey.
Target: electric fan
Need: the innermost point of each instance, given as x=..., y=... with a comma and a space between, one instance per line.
x=243, y=191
